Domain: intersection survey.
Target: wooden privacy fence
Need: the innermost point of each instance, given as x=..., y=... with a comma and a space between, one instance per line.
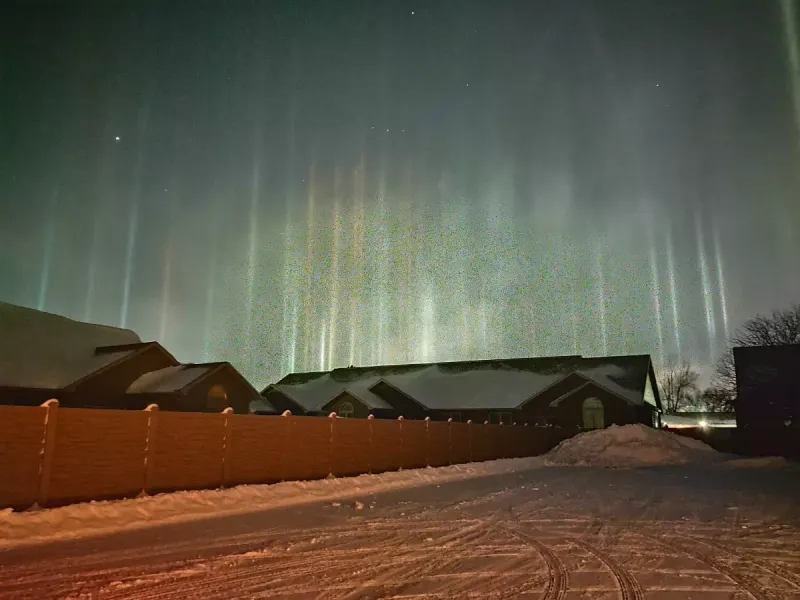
x=57, y=456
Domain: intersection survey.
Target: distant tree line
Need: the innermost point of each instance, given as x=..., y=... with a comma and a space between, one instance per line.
x=678, y=384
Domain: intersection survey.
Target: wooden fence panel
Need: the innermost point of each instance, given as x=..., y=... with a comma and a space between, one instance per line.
x=98, y=454
x=385, y=445
x=309, y=449
x=21, y=444
x=497, y=439
x=439, y=453
x=414, y=444
x=351, y=449
x=480, y=443
x=188, y=451
x=259, y=449
x=459, y=436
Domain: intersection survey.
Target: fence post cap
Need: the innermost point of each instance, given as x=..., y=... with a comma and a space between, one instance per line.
x=151, y=407
x=286, y=413
x=52, y=402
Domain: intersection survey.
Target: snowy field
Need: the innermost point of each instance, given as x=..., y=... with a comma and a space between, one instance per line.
x=705, y=528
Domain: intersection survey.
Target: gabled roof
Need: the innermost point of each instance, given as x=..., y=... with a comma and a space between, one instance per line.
x=43, y=350
x=181, y=378
x=316, y=390
x=486, y=384
x=169, y=380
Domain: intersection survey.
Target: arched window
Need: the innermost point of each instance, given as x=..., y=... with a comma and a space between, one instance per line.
x=217, y=398
x=593, y=414
x=346, y=410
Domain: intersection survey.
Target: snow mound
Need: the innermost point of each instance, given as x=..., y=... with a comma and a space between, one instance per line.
x=630, y=446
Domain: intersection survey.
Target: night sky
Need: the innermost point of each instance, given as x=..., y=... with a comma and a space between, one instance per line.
x=307, y=185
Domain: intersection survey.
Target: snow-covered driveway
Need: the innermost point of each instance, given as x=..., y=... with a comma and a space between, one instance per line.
x=546, y=532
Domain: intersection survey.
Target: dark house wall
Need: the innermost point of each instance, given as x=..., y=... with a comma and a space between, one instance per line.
x=240, y=395
x=539, y=409
x=282, y=402
x=107, y=387
x=361, y=410
x=404, y=405
x=569, y=412
x=28, y=396
x=768, y=392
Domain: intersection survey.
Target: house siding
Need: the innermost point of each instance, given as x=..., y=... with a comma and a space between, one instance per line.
x=362, y=411
x=404, y=406
x=282, y=402
x=569, y=412
x=107, y=388
x=239, y=394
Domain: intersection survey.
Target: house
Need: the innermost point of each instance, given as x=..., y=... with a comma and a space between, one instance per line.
x=84, y=365
x=207, y=387
x=45, y=356
x=768, y=393
x=571, y=391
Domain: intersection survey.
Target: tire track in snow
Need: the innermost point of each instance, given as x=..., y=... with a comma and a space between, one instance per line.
x=629, y=588
x=249, y=579
x=752, y=587
x=773, y=569
x=557, y=575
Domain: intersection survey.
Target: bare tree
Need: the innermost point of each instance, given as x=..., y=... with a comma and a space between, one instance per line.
x=780, y=328
x=716, y=399
x=678, y=387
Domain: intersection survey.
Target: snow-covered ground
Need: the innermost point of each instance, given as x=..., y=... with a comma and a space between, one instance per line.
x=510, y=529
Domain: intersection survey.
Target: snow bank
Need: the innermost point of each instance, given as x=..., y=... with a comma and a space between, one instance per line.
x=97, y=518
x=630, y=446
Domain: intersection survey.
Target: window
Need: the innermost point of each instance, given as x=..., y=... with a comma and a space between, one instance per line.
x=346, y=410
x=593, y=414
x=500, y=418
x=456, y=416
x=217, y=399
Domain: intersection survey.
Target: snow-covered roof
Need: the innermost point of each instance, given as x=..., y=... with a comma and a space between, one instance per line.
x=486, y=387
x=316, y=392
x=169, y=379
x=498, y=384
x=44, y=350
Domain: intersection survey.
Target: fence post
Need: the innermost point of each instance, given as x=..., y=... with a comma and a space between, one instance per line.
x=50, y=423
x=370, y=418
x=287, y=443
x=150, y=446
x=400, y=420
x=469, y=440
x=450, y=460
x=333, y=417
x=427, y=441
x=227, y=446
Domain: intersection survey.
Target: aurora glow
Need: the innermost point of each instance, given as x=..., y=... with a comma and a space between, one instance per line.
x=311, y=185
